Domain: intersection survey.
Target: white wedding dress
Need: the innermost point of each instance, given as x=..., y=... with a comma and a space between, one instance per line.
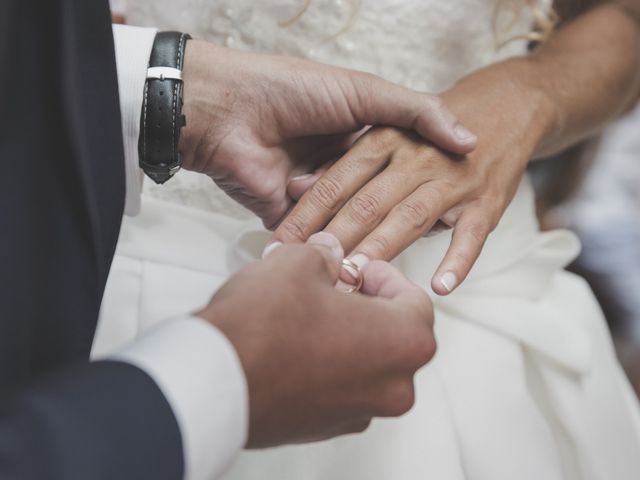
x=525, y=384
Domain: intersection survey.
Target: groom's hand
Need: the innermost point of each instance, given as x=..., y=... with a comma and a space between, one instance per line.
x=256, y=121
x=320, y=362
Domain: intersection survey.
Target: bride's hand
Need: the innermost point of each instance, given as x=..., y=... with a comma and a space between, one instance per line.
x=392, y=187
x=256, y=121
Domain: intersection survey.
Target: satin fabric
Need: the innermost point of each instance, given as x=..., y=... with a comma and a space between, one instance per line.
x=525, y=383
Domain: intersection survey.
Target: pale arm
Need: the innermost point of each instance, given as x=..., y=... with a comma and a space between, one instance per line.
x=588, y=73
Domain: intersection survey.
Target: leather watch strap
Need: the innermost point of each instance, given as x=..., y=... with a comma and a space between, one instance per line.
x=161, y=118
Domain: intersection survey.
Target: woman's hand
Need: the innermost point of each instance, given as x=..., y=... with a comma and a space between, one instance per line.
x=392, y=187
x=256, y=121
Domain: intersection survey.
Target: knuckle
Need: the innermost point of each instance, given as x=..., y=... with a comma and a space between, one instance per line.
x=398, y=399
x=294, y=227
x=294, y=253
x=364, y=86
x=435, y=102
x=313, y=259
x=300, y=261
x=326, y=193
x=462, y=258
x=477, y=231
x=381, y=138
x=415, y=213
x=359, y=427
x=421, y=348
x=493, y=214
x=261, y=182
x=368, y=81
x=492, y=224
x=364, y=209
x=377, y=246
x=268, y=188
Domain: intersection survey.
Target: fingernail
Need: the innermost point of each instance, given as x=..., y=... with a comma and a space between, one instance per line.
x=327, y=240
x=449, y=281
x=343, y=286
x=360, y=260
x=301, y=177
x=463, y=134
x=268, y=250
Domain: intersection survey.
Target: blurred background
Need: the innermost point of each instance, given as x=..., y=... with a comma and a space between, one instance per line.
x=594, y=190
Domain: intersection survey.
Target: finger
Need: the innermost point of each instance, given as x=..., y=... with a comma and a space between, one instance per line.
x=469, y=235
x=359, y=427
x=328, y=246
x=270, y=208
x=351, y=427
x=328, y=194
x=408, y=221
x=271, y=212
x=299, y=185
x=378, y=102
x=369, y=206
x=312, y=151
x=381, y=279
x=265, y=194
x=331, y=249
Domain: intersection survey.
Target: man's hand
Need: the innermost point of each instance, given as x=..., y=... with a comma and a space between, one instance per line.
x=256, y=121
x=319, y=362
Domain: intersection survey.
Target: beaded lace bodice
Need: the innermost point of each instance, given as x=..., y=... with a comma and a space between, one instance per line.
x=423, y=44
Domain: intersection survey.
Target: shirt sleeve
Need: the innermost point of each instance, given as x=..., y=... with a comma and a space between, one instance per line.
x=198, y=371
x=193, y=363
x=133, y=48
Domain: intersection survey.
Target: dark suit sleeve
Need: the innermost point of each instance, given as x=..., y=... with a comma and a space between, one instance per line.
x=61, y=199
x=100, y=421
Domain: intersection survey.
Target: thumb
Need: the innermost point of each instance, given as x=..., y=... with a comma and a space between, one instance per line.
x=298, y=186
x=330, y=248
x=378, y=102
x=383, y=280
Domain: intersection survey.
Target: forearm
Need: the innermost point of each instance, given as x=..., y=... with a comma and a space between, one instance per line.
x=587, y=74
x=590, y=71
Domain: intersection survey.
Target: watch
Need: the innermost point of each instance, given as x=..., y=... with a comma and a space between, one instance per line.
x=161, y=119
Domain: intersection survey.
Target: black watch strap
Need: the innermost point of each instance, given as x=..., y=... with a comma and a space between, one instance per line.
x=161, y=118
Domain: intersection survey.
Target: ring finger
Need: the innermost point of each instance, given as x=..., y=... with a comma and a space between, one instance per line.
x=408, y=221
x=327, y=196
x=370, y=205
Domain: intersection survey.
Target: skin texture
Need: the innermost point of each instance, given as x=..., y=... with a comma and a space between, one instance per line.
x=392, y=187
x=256, y=121
x=319, y=362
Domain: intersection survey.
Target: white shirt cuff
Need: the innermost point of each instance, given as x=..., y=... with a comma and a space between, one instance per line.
x=199, y=372
x=133, y=48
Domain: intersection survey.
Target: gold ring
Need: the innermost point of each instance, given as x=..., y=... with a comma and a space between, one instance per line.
x=354, y=271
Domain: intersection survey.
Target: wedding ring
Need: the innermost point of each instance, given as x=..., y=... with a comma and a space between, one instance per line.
x=354, y=272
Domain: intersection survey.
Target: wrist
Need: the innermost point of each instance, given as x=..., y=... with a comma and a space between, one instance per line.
x=161, y=116
x=506, y=98
x=206, y=104
x=192, y=74
x=546, y=117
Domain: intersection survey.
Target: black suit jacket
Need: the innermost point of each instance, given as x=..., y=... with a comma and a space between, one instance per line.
x=61, y=203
